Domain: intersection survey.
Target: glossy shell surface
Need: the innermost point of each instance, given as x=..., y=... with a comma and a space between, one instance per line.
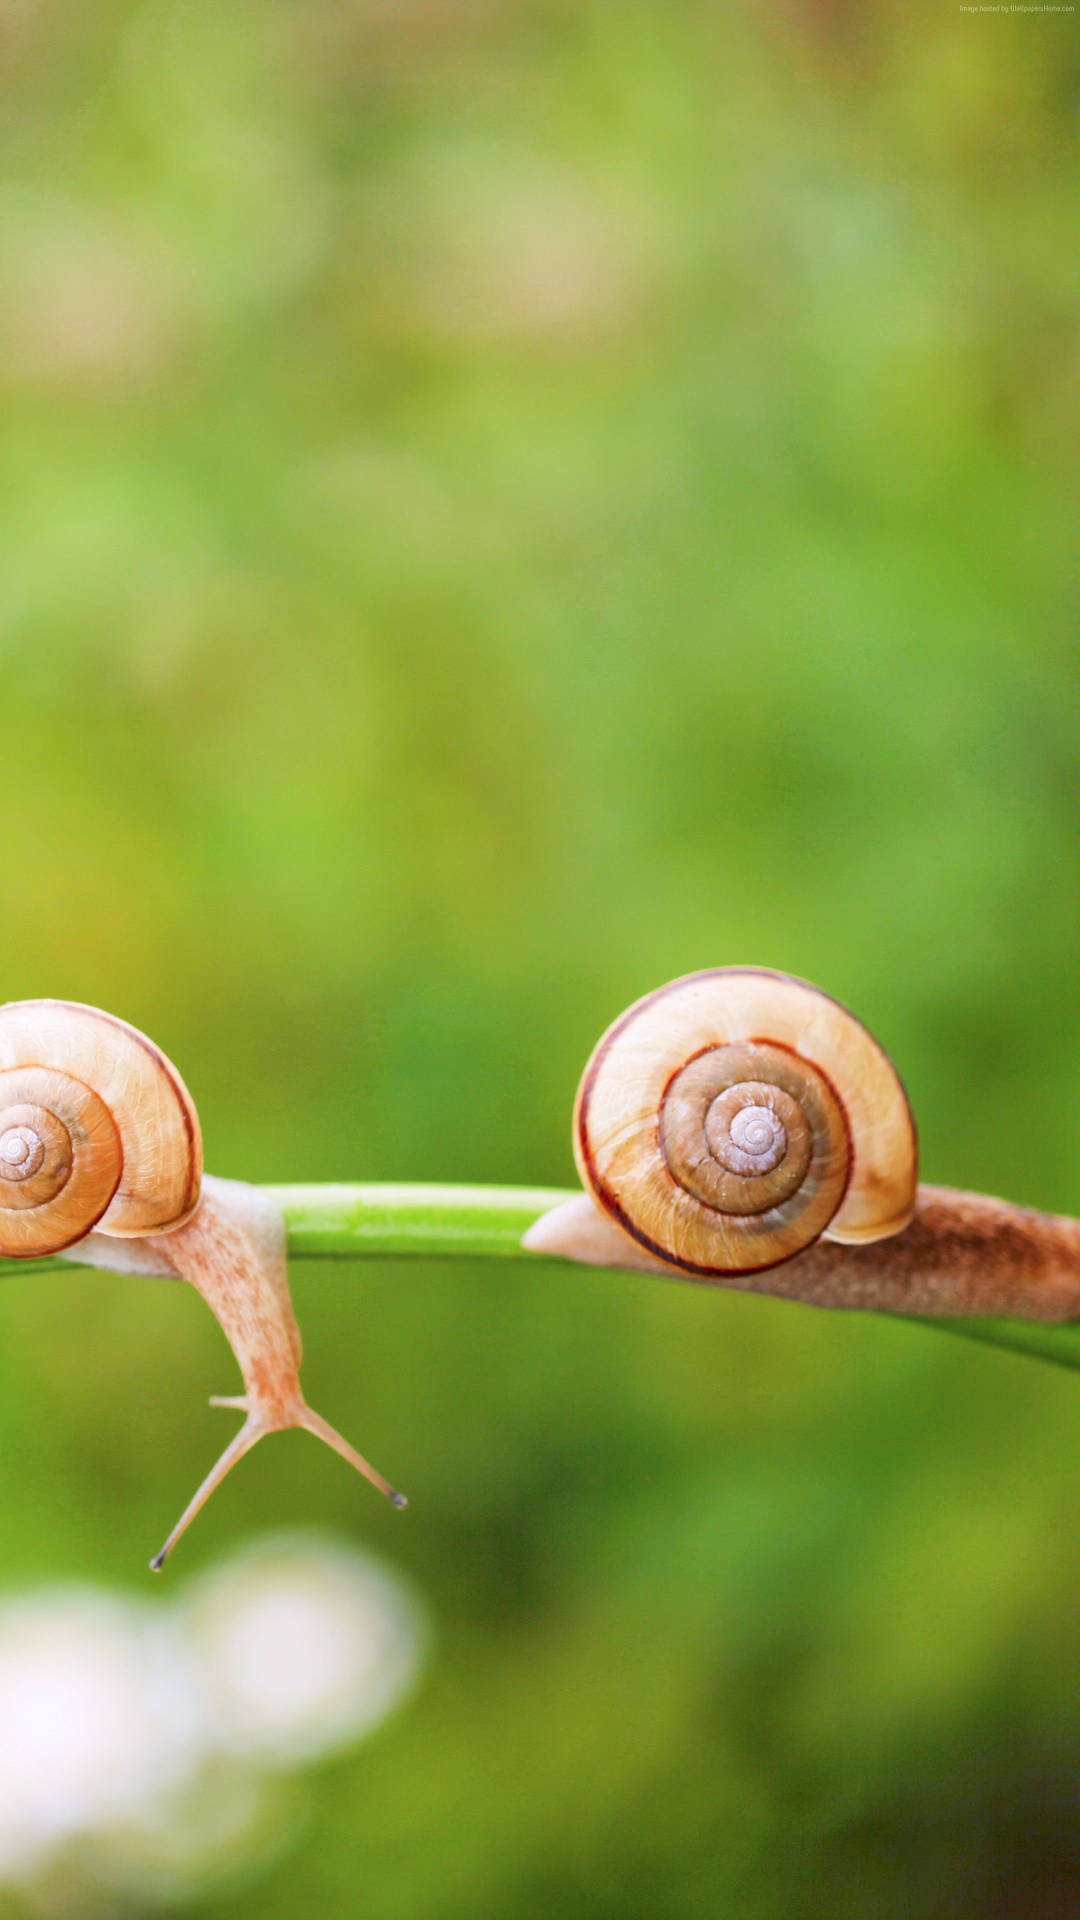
x=97, y=1129
x=728, y=1120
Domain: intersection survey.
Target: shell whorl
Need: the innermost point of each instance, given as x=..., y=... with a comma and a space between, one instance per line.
x=730, y=1119
x=97, y=1129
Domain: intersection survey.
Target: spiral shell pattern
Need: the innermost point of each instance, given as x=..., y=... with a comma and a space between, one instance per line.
x=730, y=1119
x=96, y=1130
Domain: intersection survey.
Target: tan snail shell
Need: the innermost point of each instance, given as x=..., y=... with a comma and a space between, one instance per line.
x=96, y=1129
x=730, y=1119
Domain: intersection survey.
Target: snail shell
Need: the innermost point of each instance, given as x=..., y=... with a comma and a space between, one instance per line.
x=96, y=1129
x=730, y=1119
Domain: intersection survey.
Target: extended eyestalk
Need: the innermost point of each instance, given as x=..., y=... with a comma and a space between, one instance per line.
x=254, y=1429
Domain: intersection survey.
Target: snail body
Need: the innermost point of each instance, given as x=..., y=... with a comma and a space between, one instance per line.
x=99, y=1136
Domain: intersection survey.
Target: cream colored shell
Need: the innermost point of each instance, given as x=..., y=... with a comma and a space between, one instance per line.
x=96, y=1129
x=731, y=1118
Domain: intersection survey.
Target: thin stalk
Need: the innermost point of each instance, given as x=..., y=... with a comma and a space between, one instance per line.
x=434, y=1222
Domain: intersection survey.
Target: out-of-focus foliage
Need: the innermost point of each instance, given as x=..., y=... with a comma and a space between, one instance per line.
x=504, y=504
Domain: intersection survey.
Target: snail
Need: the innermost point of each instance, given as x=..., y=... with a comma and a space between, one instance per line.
x=737, y=1127
x=100, y=1145
x=740, y=1127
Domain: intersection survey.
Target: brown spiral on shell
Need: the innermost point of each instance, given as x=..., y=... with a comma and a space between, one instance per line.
x=97, y=1129
x=730, y=1119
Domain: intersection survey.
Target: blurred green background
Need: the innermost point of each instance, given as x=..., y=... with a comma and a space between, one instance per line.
x=505, y=504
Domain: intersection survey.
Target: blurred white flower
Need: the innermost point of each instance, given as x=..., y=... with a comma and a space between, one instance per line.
x=135, y=1736
x=302, y=1647
x=99, y=1719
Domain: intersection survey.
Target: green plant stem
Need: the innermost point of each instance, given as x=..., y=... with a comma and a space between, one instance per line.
x=418, y=1222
